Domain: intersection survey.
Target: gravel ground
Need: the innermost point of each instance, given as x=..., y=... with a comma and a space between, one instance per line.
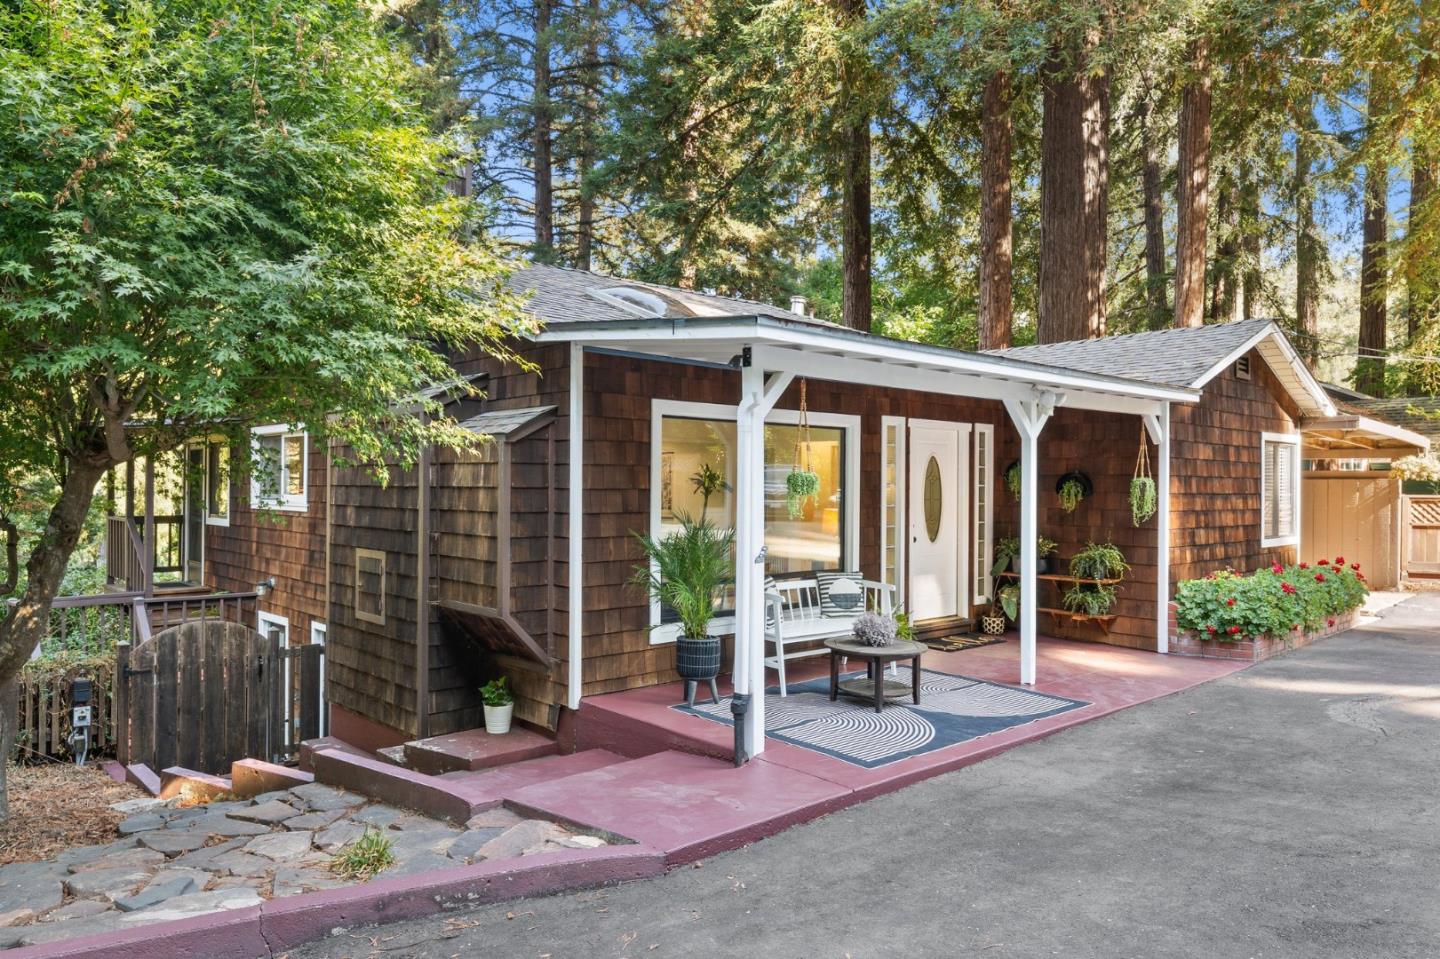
x=54, y=806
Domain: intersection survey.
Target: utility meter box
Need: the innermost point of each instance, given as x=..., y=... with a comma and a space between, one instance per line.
x=80, y=716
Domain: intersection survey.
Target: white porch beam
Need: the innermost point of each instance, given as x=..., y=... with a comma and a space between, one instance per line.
x=575, y=555
x=748, y=672
x=1159, y=428
x=1029, y=417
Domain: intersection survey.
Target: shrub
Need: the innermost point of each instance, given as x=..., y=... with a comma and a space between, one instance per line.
x=1275, y=601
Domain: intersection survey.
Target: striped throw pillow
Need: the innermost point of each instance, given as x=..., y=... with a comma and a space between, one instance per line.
x=841, y=594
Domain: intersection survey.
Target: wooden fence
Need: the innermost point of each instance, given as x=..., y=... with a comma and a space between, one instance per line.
x=1422, y=536
x=84, y=634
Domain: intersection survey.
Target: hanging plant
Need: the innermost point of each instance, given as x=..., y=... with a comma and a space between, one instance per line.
x=803, y=483
x=1142, y=485
x=1072, y=488
x=800, y=486
x=1012, y=479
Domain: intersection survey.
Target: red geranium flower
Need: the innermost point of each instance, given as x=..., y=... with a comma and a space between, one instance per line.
x=1304, y=565
x=1230, y=601
x=1339, y=561
x=1322, y=562
x=1210, y=630
x=1360, y=577
x=1330, y=621
x=1233, y=630
x=1287, y=588
x=1319, y=577
x=1355, y=567
x=1277, y=569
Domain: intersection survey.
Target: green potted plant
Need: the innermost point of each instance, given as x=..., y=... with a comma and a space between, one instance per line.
x=687, y=570
x=1009, y=599
x=1012, y=479
x=1007, y=554
x=1073, y=487
x=801, y=485
x=1102, y=561
x=499, y=706
x=1142, y=499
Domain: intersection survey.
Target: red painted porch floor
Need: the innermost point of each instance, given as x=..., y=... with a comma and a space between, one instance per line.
x=680, y=794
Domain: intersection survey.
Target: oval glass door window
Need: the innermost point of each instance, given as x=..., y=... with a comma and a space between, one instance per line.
x=932, y=499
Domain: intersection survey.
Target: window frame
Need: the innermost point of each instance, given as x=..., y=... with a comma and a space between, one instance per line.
x=288, y=502
x=982, y=471
x=218, y=445
x=1291, y=538
x=681, y=409
x=362, y=615
x=901, y=466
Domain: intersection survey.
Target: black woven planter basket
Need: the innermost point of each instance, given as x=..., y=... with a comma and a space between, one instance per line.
x=697, y=658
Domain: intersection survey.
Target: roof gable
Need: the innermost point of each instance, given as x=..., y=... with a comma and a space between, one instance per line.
x=1186, y=357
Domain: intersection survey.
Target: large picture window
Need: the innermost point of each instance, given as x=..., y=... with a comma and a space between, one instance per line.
x=695, y=439
x=1279, y=489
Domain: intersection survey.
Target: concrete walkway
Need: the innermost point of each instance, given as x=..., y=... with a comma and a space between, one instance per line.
x=1287, y=810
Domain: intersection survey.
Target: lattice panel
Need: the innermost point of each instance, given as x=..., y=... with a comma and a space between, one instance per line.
x=1425, y=512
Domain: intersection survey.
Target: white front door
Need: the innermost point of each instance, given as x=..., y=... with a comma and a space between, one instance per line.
x=939, y=510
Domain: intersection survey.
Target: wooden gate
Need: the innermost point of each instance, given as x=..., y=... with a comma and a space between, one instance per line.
x=1422, y=536
x=206, y=693
x=1357, y=515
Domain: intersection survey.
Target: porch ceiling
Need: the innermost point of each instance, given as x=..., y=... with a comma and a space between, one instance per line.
x=1351, y=436
x=849, y=356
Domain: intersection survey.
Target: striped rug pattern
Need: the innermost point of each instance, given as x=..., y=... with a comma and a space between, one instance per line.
x=953, y=709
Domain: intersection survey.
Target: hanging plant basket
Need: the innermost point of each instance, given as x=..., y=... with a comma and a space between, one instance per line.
x=1012, y=479
x=803, y=483
x=1142, y=484
x=1073, y=487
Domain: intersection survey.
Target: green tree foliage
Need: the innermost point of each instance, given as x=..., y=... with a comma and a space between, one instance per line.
x=214, y=214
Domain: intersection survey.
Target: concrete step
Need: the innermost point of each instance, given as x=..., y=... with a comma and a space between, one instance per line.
x=488, y=787
x=394, y=755
x=475, y=749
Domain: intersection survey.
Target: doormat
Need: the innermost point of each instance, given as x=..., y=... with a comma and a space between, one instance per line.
x=951, y=644
x=953, y=709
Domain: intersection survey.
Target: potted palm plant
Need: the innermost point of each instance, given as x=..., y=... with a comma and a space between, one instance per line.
x=687, y=570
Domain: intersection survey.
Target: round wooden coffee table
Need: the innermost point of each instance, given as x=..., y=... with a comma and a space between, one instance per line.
x=874, y=688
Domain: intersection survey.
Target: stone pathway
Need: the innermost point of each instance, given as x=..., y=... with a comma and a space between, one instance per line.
x=173, y=862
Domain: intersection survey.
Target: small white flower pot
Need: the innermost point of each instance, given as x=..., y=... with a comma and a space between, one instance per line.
x=497, y=719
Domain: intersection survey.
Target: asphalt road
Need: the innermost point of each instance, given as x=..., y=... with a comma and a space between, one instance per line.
x=1291, y=809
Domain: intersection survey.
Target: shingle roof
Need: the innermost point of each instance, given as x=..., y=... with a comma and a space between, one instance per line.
x=561, y=295
x=1174, y=357
x=1407, y=411
x=504, y=422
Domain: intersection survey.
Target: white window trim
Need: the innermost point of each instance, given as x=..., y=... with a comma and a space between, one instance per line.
x=1293, y=539
x=210, y=519
x=659, y=409
x=286, y=502
x=318, y=635
x=983, y=547
x=901, y=497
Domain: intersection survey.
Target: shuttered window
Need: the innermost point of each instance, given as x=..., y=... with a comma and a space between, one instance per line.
x=1280, y=489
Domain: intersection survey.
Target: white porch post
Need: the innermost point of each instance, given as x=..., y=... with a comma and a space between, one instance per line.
x=757, y=398
x=1029, y=417
x=575, y=532
x=1158, y=426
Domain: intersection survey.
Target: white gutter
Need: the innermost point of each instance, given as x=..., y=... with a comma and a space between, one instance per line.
x=763, y=330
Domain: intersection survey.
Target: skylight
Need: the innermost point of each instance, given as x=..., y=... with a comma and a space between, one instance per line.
x=631, y=300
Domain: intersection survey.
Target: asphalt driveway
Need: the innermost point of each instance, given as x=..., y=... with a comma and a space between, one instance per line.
x=1292, y=809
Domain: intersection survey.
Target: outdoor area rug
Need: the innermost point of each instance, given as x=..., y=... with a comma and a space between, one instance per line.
x=953, y=709
x=952, y=644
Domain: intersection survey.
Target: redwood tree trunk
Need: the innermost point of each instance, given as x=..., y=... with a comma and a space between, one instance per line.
x=1224, y=298
x=1307, y=245
x=1074, y=171
x=1157, y=277
x=855, y=192
x=541, y=137
x=1374, y=287
x=996, y=251
x=1250, y=245
x=589, y=122
x=1193, y=194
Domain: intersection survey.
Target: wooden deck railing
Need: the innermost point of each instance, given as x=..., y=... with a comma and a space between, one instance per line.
x=132, y=567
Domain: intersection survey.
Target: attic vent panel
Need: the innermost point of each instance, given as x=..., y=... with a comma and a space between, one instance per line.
x=1242, y=368
x=631, y=300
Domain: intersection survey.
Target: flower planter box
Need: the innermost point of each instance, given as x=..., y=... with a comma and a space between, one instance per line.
x=1253, y=649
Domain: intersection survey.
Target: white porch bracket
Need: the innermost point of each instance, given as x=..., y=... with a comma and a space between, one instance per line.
x=1158, y=426
x=1029, y=417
